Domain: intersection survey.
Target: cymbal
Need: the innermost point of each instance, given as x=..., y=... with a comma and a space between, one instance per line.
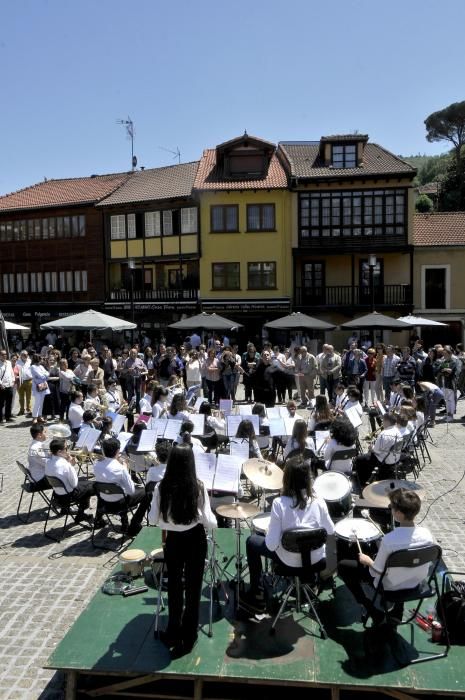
x=238, y=511
x=264, y=474
x=378, y=491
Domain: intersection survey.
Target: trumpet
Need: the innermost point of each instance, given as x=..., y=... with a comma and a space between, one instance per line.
x=372, y=436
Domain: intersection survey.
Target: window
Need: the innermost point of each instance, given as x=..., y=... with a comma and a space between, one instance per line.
x=262, y=275
x=313, y=282
x=152, y=224
x=167, y=223
x=260, y=217
x=352, y=213
x=435, y=286
x=224, y=219
x=226, y=276
x=189, y=220
x=118, y=227
x=51, y=227
x=344, y=156
x=131, y=225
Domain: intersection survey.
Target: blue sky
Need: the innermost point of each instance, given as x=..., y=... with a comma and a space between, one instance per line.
x=192, y=74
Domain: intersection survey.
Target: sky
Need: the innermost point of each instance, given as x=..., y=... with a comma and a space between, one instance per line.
x=194, y=73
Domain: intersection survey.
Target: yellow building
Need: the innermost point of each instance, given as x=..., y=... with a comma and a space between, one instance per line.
x=153, y=246
x=439, y=283
x=245, y=211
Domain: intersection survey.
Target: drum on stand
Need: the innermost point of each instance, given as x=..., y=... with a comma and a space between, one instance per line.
x=261, y=523
x=347, y=531
x=334, y=488
x=133, y=562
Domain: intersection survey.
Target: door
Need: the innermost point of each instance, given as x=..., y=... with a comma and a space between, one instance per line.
x=313, y=284
x=366, y=280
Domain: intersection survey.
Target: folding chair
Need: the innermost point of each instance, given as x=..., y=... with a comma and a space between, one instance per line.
x=301, y=580
x=65, y=501
x=429, y=588
x=31, y=487
x=395, y=450
x=106, y=509
x=342, y=454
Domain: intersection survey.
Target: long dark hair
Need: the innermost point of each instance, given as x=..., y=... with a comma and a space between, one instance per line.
x=297, y=482
x=300, y=434
x=180, y=491
x=177, y=404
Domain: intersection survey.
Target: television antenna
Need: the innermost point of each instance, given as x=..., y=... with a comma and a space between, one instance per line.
x=176, y=153
x=130, y=131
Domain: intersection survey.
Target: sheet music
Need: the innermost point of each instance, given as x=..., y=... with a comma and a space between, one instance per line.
x=205, y=465
x=354, y=416
x=320, y=437
x=123, y=439
x=172, y=429
x=289, y=424
x=274, y=412
x=88, y=439
x=380, y=406
x=226, y=405
x=245, y=410
x=198, y=402
x=277, y=427
x=233, y=423
x=198, y=419
x=159, y=424
x=118, y=424
x=239, y=447
x=228, y=472
x=147, y=441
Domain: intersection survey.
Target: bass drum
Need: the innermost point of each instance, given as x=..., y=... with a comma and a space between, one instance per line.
x=336, y=490
x=346, y=532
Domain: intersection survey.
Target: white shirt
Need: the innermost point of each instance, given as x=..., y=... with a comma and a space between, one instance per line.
x=401, y=577
x=64, y=470
x=37, y=458
x=110, y=471
x=24, y=370
x=7, y=377
x=155, y=473
x=384, y=443
x=339, y=465
x=160, y=409
x=292, y=445
x=205, y=515
x=145, y=404
x=285, y=517
x=193, y=371
x=75, y=413
x=112, y=401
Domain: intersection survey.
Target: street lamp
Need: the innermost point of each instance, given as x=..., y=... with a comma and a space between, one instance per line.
x=132, y=267
x=372, y=262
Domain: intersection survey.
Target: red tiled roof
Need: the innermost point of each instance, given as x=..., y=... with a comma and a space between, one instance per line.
x=210, y=177
x=157, y=183
x=58, y=193
x=305, y=162
x=446, y=228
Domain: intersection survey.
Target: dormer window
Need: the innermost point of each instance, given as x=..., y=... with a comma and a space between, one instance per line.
x=344, y=156
x=244, y=158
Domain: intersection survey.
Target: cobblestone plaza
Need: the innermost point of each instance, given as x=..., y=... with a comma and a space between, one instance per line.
x=45, y=585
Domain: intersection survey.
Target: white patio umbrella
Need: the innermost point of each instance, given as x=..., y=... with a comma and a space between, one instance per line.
x=420, y=321
x=90, y=321
x=10, y=326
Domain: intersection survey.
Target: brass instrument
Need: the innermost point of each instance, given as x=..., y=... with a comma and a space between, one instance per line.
x=371, y=437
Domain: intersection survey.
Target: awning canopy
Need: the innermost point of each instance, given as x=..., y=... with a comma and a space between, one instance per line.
x=377, y=320
x=298, y=321
x=420, y=321
x=207, y=322
x=90, y=321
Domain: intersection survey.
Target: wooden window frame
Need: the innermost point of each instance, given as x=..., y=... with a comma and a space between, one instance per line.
x=224, y=207
x=261, y=228
x=262, y=287
x=226, y=288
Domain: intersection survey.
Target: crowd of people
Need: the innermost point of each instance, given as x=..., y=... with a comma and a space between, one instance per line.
x=399, y=389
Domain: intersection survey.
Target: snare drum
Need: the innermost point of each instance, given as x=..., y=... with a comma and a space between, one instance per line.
x=368, y=536
x=261, y=523
x=335, y=489
x=133, y=562
x=156, y=560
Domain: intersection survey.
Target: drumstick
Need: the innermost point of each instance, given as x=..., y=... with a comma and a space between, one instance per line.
x=354, y=534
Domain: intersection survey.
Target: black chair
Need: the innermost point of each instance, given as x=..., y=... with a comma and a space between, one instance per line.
x=394, y=451
x=65, y=502
x=302, y=579
x=105, y=509
x=31, y=487
x=429, y=588
x=342, y=454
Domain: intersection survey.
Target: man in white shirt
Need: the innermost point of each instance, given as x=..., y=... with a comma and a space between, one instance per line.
x=7, y=382
x=25, y=383
x=58, y=465
x=405, y=506
x=37, y=455
x=111, y=471
x=381, y=454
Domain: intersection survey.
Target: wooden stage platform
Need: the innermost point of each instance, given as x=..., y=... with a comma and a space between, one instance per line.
x=111, y=652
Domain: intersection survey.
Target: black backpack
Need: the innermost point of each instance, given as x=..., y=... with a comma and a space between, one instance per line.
x=452, y=613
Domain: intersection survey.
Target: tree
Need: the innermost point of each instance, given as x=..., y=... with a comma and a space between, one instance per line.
x=448, y=124
x=424, y=204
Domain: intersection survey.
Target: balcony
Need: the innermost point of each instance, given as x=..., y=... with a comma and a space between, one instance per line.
x=155, y=295
x=346, y=297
